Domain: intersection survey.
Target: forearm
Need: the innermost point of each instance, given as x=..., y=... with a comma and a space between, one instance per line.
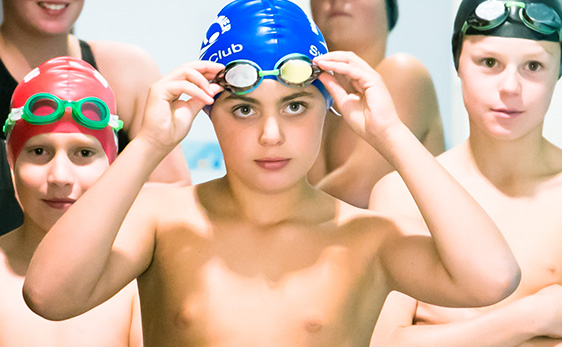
x=70, y=261
x=506, y=326
x=354, y=180
x=470, y=246
x=172, y=169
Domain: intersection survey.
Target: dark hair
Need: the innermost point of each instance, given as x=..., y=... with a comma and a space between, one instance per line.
x=392, y=13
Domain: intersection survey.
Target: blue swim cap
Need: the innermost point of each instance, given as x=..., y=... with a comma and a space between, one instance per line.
x=263, y=31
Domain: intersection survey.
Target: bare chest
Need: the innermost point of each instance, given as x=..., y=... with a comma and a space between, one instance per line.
x=245, y=290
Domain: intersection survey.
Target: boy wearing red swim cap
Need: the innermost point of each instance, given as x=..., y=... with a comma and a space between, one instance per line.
x=508, y=58
x=53, y=161
x=260, y=257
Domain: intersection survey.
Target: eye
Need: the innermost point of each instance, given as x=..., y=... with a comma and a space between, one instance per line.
x=295, y=108
x=534, y=66
x=38, y=151
x=490, y=62
x=243, y=111
x=85, y=153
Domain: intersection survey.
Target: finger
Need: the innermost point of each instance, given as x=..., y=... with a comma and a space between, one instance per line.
x=172, y=90
x=198, y=73
x=343, y=57
x=335, y=89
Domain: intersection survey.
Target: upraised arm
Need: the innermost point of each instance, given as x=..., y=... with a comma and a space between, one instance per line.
x=121, y=64
x=467, y=259
x=83, y=260
x=514, y=324
x=413, y=93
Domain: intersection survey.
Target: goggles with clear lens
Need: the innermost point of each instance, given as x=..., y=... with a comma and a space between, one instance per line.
x=43, y=108
x=243, y=76
x=536, y=16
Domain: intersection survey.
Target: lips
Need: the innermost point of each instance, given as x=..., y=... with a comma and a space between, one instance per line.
x=272, y=164
x=53, y=7
x=335, y=14
x=59, y=204
x=507, y=113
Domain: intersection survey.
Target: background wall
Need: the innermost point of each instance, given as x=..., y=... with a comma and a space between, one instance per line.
x=171, y=32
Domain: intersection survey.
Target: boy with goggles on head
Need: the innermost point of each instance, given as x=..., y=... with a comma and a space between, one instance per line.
x=508, y=58
x=260, y=257
x=33, y=32
x=347, y=166
x=59, y=141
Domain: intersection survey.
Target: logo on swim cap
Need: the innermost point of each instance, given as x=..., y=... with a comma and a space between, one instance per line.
x=217, y=28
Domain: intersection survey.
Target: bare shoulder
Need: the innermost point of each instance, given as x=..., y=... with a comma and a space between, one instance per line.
x=373, y=224
x=121, y=57
x=403, y=66
x=170, y=204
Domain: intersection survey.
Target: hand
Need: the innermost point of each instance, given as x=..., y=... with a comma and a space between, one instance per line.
x=168, y=117
x=360, y=94
x=546, y=306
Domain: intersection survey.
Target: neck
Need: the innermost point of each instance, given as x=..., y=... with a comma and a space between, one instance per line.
x=24, y=50
x=372, y=53
x=27, y=238
x=298, y=203
x=527, y=157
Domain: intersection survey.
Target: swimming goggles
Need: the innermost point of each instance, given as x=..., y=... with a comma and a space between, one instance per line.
x=45, y=108
x=243, y=76
x=536, y=16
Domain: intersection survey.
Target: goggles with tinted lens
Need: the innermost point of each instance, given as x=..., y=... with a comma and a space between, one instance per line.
x=536, y=16
x=44, y=108
x=243, y=76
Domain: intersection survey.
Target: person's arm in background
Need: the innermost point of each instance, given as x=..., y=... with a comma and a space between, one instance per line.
x=513, y=324
x=415, y=99
x=131, y=71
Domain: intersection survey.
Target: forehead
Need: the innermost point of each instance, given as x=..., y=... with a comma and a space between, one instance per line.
x=510, y=45
x=63, y=140
x=271, y=91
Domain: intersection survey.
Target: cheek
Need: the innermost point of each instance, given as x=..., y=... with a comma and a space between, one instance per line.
x=87, y=175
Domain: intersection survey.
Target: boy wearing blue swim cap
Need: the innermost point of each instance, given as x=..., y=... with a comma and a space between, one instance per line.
x=348, y=167
x=260, y=257
x=508, y=58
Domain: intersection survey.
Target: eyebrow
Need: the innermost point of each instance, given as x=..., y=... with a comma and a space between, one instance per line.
x=232, y=96
x=256, y=101
x=296, y=96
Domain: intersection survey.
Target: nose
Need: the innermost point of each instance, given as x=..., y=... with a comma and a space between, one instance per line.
x=60, y=172
x=271, y=133
x=510, y=82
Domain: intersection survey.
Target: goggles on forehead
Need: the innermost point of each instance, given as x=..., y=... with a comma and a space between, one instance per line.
x=536, y=16
x=44, y=108
x=242, y=76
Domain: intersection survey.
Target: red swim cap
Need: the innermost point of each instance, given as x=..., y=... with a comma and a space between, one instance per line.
x=69, y=79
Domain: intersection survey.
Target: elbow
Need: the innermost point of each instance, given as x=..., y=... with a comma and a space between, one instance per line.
x=38, y=302
x=499, y=287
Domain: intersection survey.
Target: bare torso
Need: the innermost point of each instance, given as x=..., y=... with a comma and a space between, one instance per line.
x=528, y=215
x=313, y=283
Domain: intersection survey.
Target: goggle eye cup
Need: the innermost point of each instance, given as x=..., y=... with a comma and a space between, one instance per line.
x=296, y=72
x=93, y=113
x=42, y=109
x=541, y=17
x=241, y=75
